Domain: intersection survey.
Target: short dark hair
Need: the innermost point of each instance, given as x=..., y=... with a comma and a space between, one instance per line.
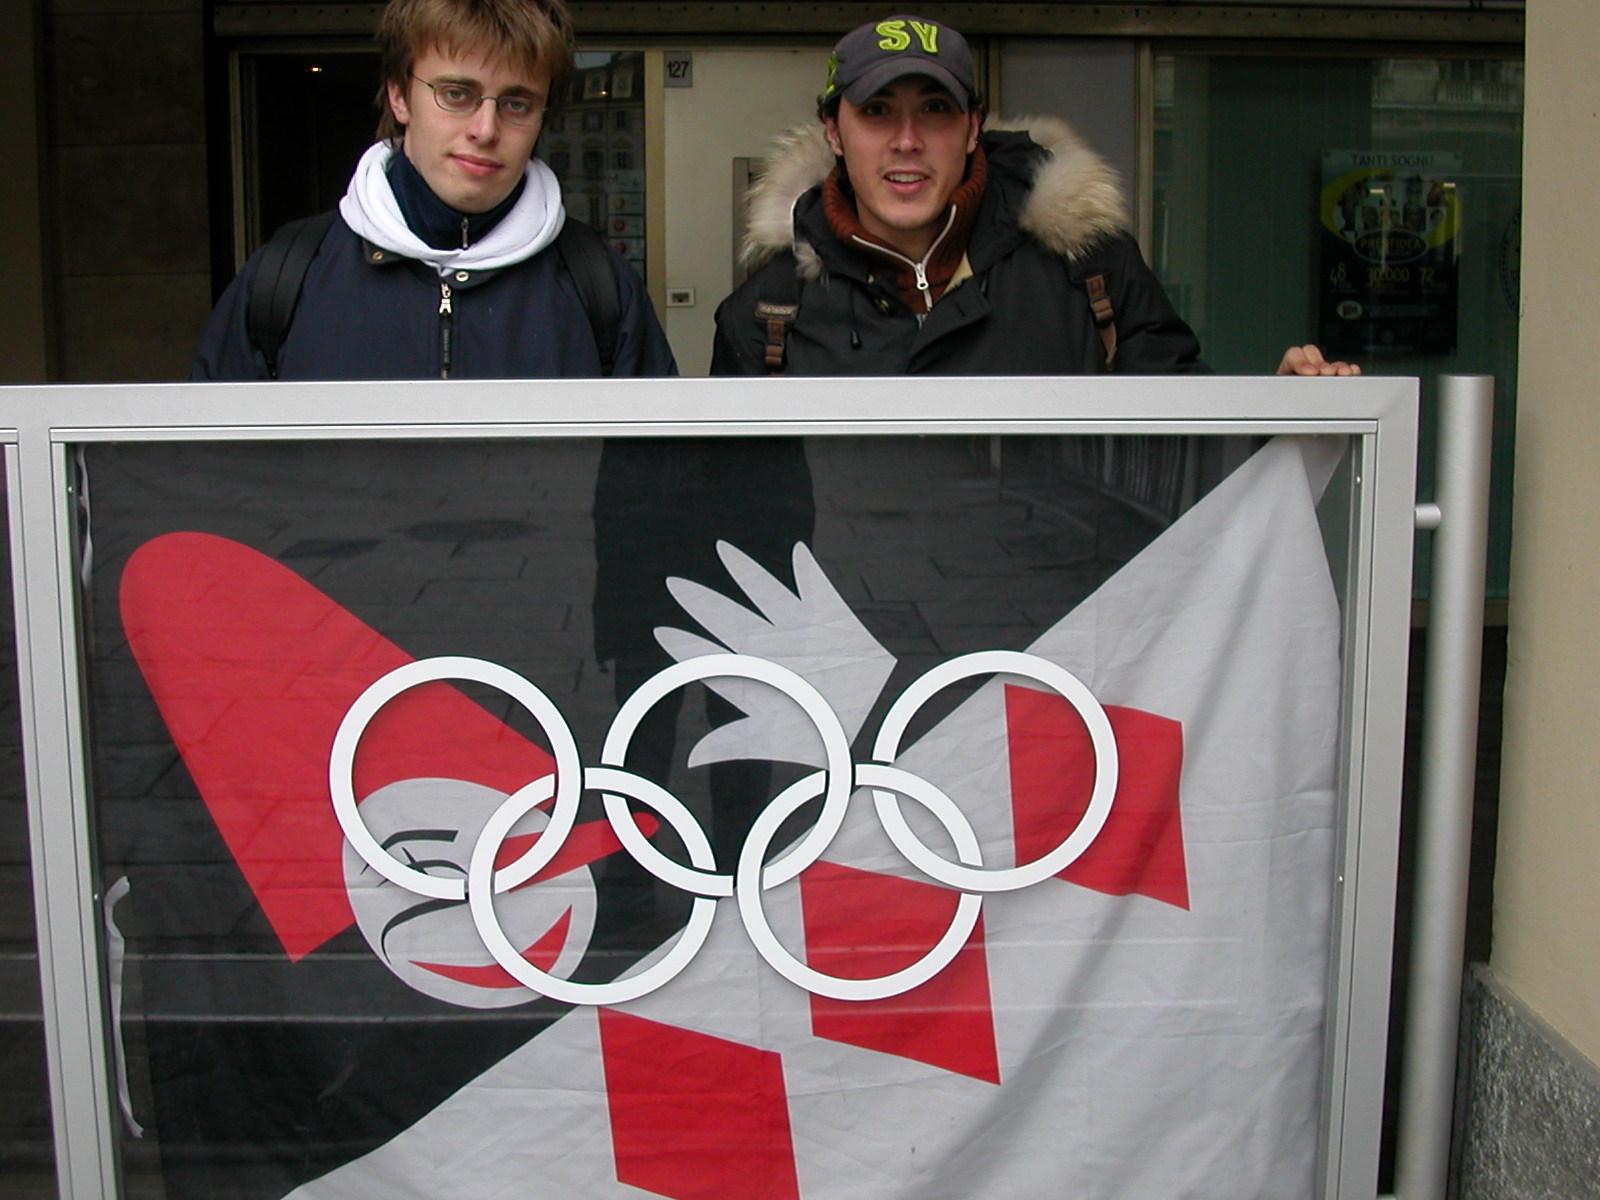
x=530, y=33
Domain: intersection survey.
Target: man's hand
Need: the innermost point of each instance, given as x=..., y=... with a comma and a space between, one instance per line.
x=1308, y=360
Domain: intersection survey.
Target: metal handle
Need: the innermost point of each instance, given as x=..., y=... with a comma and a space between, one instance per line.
x=1449, y=767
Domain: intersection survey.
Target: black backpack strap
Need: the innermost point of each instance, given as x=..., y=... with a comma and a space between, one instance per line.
x=588, y=261
x=775, y=311
x=275, y=290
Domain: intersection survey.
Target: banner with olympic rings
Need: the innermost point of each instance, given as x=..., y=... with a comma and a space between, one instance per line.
x=793, y=819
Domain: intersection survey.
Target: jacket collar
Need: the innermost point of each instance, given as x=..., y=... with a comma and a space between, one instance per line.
x=919, y=283
x=1044, y=182
x=373, y=214
x=434, y=221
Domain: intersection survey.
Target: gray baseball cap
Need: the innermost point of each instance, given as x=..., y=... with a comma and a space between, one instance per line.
x=868, y=59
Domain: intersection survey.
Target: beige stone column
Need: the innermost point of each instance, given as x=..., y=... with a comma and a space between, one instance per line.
x=1547, y=885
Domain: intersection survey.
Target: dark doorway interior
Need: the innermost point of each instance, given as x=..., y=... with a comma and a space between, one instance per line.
x=308, y=117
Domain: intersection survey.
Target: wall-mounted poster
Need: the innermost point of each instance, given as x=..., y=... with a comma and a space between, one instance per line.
x=1390, y=252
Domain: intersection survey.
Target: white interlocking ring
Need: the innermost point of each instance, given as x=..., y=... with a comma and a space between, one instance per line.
x=617, y=785
x=836, y=748
x=480, y=896
x=989, y=662
x=833, y=986
x=566, y=786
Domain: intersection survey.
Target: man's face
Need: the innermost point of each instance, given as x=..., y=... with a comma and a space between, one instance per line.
x=472, y=161
x=905, y=151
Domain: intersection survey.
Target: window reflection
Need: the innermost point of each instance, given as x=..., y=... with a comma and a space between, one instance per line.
x=1246, y=148
x=595, y=145
x=290, y=1014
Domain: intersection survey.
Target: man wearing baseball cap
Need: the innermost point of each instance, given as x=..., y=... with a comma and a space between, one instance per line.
x=899, y=235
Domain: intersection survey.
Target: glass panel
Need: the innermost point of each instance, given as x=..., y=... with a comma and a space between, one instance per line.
x=306, y=1001
x=595, y=145
x=26, y=1144
x=1371, y=203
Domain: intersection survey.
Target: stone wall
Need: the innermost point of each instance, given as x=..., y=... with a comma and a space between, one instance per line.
x=24, y=354
x=129, y=251
x=1530, y=1104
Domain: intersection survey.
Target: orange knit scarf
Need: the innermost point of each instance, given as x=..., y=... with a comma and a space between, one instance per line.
x=840, y=209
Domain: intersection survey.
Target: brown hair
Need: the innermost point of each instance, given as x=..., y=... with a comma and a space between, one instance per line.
x=530, y=33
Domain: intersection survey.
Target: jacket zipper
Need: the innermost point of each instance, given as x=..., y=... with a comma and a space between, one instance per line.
x=446, y=328
x=919, y=267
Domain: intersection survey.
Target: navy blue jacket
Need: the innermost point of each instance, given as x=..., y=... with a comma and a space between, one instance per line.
x=366, y=313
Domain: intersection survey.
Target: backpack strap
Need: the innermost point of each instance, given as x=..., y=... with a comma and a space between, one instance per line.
x=1105, y=316
x=776, y=318
x=588, y=261
x=1093, y=273
x=275, y=290
x=775, y=311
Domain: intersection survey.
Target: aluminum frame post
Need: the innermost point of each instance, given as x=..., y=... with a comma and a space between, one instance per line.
x=1449, y=768
x=66, y=899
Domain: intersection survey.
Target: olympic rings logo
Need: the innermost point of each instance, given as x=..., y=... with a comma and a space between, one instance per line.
x=834, y=784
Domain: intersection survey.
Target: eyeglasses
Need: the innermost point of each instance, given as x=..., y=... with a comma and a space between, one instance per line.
x=462, y=100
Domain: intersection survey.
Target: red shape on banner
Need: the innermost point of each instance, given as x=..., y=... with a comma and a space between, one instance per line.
x=253, y=668
x=585, y=844
x=542, y=954
x=696, y=1117
x=860, y=924
x=1140, y=849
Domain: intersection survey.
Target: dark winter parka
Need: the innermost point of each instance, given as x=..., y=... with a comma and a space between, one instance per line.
x=368, y=313
x=1051, y=214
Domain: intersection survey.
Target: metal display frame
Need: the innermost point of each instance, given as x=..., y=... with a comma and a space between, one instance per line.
x=40, y=427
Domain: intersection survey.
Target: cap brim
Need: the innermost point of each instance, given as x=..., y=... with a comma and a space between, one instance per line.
x=885, y=73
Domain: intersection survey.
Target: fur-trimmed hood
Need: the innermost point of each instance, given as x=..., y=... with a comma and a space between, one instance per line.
x=1074, y=199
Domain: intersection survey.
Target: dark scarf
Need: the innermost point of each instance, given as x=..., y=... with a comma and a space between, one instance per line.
x=430, y=218
x=839, y=206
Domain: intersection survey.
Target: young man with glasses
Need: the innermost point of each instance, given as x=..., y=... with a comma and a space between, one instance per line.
x=440, y=263
x=898, y=235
